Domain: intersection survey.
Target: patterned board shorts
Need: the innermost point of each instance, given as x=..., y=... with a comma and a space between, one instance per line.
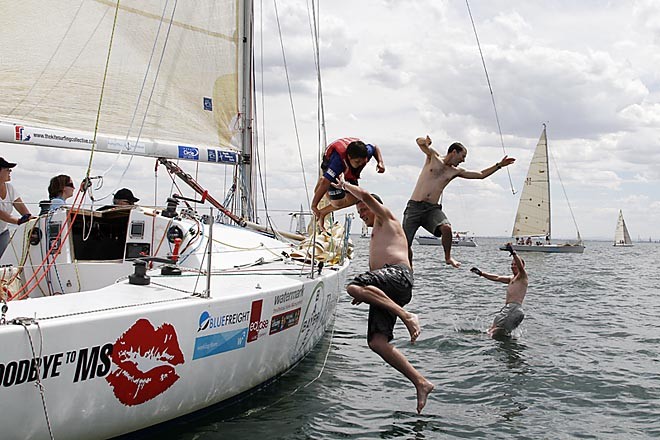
x=396, y=280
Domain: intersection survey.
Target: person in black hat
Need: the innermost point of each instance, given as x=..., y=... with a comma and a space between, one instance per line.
x=124, y=197
x=9, y=200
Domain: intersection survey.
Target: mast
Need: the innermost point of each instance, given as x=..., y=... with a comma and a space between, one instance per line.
x=246, y=187
x=547, y=173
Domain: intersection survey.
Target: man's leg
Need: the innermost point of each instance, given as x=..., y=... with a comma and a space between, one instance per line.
x=348, y=200
x=392, y=356
x=445, y=231
x=376, y=297
x=409, y=228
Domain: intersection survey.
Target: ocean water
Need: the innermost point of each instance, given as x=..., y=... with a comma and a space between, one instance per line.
x=585, y=362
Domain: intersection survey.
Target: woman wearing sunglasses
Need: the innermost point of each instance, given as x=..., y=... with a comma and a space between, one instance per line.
x=60, y=188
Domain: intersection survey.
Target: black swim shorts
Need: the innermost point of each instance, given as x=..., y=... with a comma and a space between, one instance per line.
x=396, y=280
x=338, y=193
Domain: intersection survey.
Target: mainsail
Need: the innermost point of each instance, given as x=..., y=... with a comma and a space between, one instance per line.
x=533, y=216
x=172, y=92
x=621, y=235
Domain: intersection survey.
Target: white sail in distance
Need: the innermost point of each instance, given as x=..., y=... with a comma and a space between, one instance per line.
x=621, y=235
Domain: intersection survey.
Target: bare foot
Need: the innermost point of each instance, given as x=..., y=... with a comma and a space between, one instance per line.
x=423, y=390
x=414, y=328
x=453, y=262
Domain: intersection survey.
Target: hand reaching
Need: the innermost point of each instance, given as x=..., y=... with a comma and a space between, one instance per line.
x=506, y=161
x=24, y=218
x=476, y=270
x=509, y=247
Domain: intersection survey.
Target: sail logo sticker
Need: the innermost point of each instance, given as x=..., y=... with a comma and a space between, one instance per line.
x=20, y=134
x=190, y=153
x=227, y=157
x=208, y=104
x=140, y=347
x=213, y=157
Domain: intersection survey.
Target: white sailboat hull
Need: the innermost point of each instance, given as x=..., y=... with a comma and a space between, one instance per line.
x=126, y=357
x=435, y=241
x=548, y=248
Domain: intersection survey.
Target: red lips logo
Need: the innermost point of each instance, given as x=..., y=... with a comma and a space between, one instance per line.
x=145, y=359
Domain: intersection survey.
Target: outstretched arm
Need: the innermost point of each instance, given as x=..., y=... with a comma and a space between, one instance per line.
x=491, y=276
x=380, y=165
x=506, y=161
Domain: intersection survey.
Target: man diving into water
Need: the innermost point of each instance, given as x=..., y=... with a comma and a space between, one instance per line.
x=387, y=287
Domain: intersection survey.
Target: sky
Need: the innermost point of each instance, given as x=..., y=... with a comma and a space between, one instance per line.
x=392, y=71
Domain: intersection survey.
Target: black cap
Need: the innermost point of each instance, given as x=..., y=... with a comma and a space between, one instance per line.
x=126, y=194
x=5, y=164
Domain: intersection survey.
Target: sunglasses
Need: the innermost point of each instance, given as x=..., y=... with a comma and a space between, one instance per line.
x=70, y=185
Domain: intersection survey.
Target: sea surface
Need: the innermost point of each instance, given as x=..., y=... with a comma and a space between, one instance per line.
x=584, y=364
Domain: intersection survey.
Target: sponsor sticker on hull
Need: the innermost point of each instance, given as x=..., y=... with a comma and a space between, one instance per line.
x=217, y=343
x=284, y=321
x=139, y=366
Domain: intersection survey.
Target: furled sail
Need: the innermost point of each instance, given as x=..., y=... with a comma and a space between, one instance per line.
x=170, y=88
x=533, y=216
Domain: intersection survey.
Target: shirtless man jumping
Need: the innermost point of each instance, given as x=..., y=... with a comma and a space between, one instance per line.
x=511, y=315
x=387, y=287
x=423, y=208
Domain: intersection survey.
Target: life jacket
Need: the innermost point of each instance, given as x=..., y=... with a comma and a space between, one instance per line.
x=339, y=146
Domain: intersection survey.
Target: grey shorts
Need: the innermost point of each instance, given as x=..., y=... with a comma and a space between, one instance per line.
x=509, y=317
x=424, y=214
x=396, y=280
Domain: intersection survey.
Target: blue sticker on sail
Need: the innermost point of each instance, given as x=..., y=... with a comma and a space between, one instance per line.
x=213, y=157
x=208, y=104
x=217, y=343
x=190, y=153
x=227, y=157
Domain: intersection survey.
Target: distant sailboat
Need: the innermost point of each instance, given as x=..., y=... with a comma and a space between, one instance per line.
x=532, y=227
x=621, y=235
x=461, y=239
x=365, y=231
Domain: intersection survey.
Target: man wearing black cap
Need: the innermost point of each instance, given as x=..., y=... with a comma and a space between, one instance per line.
x=9, y=200
x=124, y=197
